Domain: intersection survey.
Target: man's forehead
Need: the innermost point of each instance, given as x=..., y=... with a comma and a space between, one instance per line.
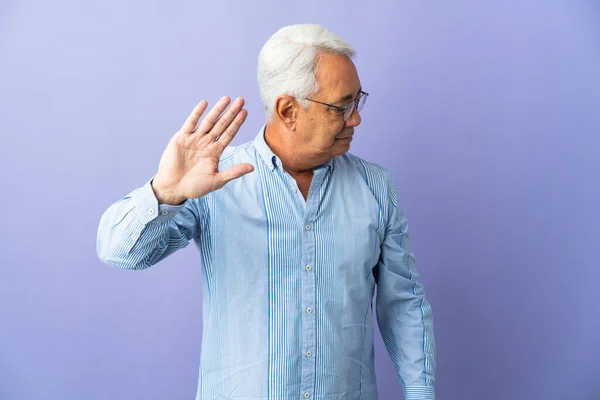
x=337, y=76
x=328, y=63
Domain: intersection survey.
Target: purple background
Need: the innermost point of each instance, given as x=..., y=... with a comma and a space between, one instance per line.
x=486, y=113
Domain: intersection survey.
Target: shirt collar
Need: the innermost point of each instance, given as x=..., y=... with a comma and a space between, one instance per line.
x=264, y=150
x=270, y=159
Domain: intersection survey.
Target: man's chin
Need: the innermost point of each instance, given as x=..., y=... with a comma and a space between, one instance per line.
x=342, y=146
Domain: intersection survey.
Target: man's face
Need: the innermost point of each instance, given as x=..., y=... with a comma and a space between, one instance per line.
x=322, y=131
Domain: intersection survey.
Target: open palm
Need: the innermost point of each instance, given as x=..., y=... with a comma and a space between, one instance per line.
x=189, y=167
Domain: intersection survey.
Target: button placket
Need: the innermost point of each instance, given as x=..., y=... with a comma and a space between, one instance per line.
x=309, y=286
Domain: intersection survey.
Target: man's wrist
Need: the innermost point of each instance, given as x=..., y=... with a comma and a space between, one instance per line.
x=419, y=393
x=165, y=196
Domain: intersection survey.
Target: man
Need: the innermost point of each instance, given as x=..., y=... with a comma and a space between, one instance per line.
x=294, y=235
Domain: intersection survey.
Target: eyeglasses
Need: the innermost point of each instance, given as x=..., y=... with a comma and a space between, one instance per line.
x=347, y=111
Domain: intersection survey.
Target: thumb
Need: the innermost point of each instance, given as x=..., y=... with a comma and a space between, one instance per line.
x=232, y=173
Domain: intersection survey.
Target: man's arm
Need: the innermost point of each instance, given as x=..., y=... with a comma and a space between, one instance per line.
x=404, y=316
x=136, y=232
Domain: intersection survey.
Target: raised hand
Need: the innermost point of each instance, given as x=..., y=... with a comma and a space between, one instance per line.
x=189, y=167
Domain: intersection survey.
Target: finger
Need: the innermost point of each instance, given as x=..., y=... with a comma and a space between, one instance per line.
x=226, y=119
x=192, y=120
x=213, y=115
x=227, y=136
x=232, y=173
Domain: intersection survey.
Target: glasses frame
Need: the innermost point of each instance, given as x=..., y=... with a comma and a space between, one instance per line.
x=353, y=105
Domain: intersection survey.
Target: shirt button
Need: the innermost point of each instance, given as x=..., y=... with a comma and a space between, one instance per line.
x=308, y=227
x=306, y=395
x=309, y=310
x=308, y=353
x=134, y=236
x=164, y=212
x=150, y=211
x=294, y=190
x=308, y=267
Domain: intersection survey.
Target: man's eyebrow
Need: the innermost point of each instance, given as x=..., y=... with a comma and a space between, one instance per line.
x=348, y=97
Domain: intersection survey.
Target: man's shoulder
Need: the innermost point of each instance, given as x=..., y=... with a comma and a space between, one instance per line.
x=236, y=154
x=371, y=172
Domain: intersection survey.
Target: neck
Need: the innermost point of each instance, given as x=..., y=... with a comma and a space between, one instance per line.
x=280, y=141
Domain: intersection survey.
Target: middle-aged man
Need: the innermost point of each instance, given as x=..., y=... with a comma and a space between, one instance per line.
x=294, y=234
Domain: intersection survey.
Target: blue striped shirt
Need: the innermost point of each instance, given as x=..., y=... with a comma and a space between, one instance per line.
x=289, y=283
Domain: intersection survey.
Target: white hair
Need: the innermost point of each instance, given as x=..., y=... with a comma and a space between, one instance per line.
x=287, y=63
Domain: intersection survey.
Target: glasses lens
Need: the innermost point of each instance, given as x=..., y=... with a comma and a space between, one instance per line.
x=362, y=101
x=349, y=111
x=356, y=104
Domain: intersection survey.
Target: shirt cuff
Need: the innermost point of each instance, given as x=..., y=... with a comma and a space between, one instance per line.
x=148, y=208
x=419, y=393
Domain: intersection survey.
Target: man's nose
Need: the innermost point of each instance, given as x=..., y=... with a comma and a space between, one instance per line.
x=354, y=119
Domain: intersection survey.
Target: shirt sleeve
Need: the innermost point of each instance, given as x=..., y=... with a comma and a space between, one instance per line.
x=403, y=314
x=136, y=232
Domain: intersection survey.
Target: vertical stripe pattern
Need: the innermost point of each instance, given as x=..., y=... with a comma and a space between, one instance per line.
x=289, y=282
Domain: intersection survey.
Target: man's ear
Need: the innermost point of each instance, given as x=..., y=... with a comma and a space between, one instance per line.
x=286, y=108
